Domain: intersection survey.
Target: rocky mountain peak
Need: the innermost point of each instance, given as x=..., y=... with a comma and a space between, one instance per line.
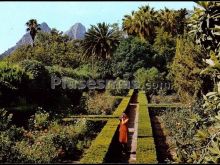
x=77, y=31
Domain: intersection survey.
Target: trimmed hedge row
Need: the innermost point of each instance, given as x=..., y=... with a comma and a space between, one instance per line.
x=175, y=105
x=100, y=146
x=146, y=150
x=124, y=104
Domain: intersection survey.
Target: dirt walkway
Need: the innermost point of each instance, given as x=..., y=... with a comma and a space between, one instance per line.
x=133, y=127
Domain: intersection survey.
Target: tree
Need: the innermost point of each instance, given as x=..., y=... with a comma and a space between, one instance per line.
x=131, y=54
x=141, y=23
x=185, y=70
x=164, y=46
x=50, y=49
x=173, y=21
x=167, y=20
x=150, y=76
x=128, y=24
x=205, y=25
x=33, y=27
x=100, y=40
x=181, y=21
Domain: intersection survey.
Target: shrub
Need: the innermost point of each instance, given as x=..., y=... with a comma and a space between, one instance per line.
x=146, y=151
x=168, y=99
x=39, y=81
x=147, y=79
x=12, y=83
x=194, y=130
x=8, y=151
x=41, y=120
x=41, y=151
x=101, y=103
x=66, y=72
x=118, y=87
x=9, y=135
x=100, y=146
x=53, y=142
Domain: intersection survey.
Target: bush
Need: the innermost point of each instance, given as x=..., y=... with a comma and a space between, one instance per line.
x=118, y=87
x=8, y=150
x=146, y=151
x=100, y=146
x=42, y=150
x=12, y=83
x=53, y=142
x=194, y=130
x=38, y=74
x=39, y=121
x=147, y=79
x=100, y=104
x=9, y=135
x=165, y=99
x=67, y=72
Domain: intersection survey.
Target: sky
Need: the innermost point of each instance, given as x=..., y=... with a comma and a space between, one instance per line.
x=62, y=15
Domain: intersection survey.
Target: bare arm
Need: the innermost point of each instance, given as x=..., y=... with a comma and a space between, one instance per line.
x=124, y=121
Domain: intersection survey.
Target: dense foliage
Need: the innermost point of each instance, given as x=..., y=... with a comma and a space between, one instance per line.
x=132, y=54
x=50, y=49
x=156, y=49
x=186, y=68
x=45, y=141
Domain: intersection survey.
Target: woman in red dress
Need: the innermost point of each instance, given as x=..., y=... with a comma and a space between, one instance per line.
x=123, y=132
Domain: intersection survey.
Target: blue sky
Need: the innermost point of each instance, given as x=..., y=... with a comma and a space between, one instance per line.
x=62, y=15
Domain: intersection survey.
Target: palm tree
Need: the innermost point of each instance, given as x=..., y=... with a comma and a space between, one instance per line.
x=128, y=24
x=206, y=4
x=167, y=19
x=33, y=27
x=100, y=41
x=141, y=23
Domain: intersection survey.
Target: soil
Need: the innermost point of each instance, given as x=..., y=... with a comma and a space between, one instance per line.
x=161, y=138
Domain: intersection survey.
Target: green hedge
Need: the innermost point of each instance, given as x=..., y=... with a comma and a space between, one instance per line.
x=123, y=105
x=100, y=146
x=174, y=105
x=146, y=151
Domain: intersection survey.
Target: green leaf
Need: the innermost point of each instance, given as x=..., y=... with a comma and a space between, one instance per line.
x=201, y=135
x=214, y=148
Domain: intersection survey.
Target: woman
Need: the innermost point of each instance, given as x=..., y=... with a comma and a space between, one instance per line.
x=123, y=132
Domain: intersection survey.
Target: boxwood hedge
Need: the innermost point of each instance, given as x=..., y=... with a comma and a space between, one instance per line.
x=146, y=151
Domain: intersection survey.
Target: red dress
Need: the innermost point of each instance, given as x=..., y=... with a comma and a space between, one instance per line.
x=123, y=132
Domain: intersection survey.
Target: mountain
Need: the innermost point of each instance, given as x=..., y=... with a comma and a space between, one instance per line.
x=26, y=40
x=77, y=31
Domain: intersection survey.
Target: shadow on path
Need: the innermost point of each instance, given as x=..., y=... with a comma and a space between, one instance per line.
x=114, y=154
